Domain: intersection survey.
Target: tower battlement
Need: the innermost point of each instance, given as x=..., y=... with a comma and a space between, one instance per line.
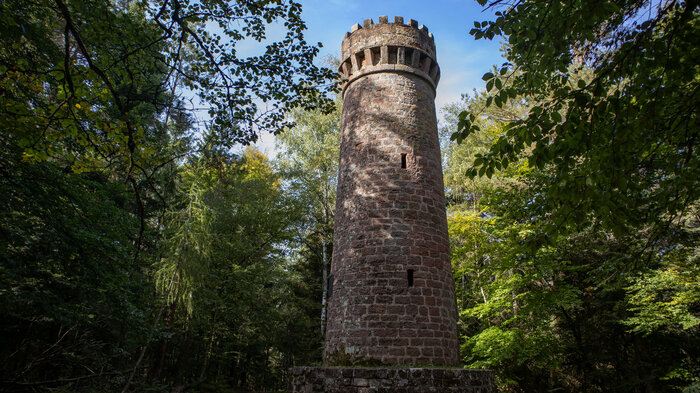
x=389, y=47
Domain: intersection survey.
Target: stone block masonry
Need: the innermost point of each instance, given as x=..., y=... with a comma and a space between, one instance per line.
x=393, y=299
x=392, y=312
x=389, y=380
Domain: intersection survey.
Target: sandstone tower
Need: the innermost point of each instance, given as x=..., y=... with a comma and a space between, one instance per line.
x=392, y=300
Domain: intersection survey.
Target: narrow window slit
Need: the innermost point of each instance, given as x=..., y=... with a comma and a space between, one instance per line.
x=403, y=160
x=409, y=275
x=330, y=286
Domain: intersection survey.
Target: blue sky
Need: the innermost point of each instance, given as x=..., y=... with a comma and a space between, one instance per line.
x=462, y=59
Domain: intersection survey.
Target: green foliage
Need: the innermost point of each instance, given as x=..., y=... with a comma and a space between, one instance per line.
x=124, y=247
x=226, y=278
x=667, y=298
x=619, y=140
x=308, y=161
x=73, y=298
x=565, y=305
x=82, y=79
x=577, y=249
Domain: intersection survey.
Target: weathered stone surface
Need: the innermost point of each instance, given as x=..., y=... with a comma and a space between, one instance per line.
x=393, y=299
x=389, y=380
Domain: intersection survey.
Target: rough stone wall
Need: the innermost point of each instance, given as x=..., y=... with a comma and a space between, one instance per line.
x=366, y=380
x=393, y=298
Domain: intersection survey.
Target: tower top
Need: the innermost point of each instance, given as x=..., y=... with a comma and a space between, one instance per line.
x=389, y=47
x=384, y=32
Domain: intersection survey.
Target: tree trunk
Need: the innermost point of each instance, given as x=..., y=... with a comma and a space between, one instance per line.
x=326, y=223
x=164, y=344
x=324, y=296
x=208, y=354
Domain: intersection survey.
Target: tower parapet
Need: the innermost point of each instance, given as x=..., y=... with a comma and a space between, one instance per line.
x=389, y=47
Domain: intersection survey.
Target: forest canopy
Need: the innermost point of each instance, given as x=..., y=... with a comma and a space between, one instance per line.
x=138, y=251
x=574, y=189
x=141, y=250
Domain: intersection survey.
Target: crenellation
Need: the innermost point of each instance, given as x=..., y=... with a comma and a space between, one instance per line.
x=397, y=34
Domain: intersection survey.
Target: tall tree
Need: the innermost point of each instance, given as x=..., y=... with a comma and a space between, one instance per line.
x=612, y=135
x=621, y=143
x=309, y=161
x=232, y=313
x=91, y=99
x=567, y=306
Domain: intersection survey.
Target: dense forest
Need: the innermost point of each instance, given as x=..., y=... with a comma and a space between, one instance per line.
x=143, y=249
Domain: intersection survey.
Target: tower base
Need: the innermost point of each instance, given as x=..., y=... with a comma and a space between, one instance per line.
x=389, y=380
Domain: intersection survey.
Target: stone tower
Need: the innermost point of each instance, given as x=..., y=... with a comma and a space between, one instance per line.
x=392, y=305
x=392, y=300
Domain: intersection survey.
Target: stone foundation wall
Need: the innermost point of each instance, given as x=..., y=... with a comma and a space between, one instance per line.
x=390, y=380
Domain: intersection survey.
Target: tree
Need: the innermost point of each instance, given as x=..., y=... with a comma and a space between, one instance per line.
x=74, y=301
x=582, y=309
x=621, y=143
x=607, y=198
x=91, y=98
x=309, y=161
x=75, y=60
x=92, y=82
x=232, y=314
